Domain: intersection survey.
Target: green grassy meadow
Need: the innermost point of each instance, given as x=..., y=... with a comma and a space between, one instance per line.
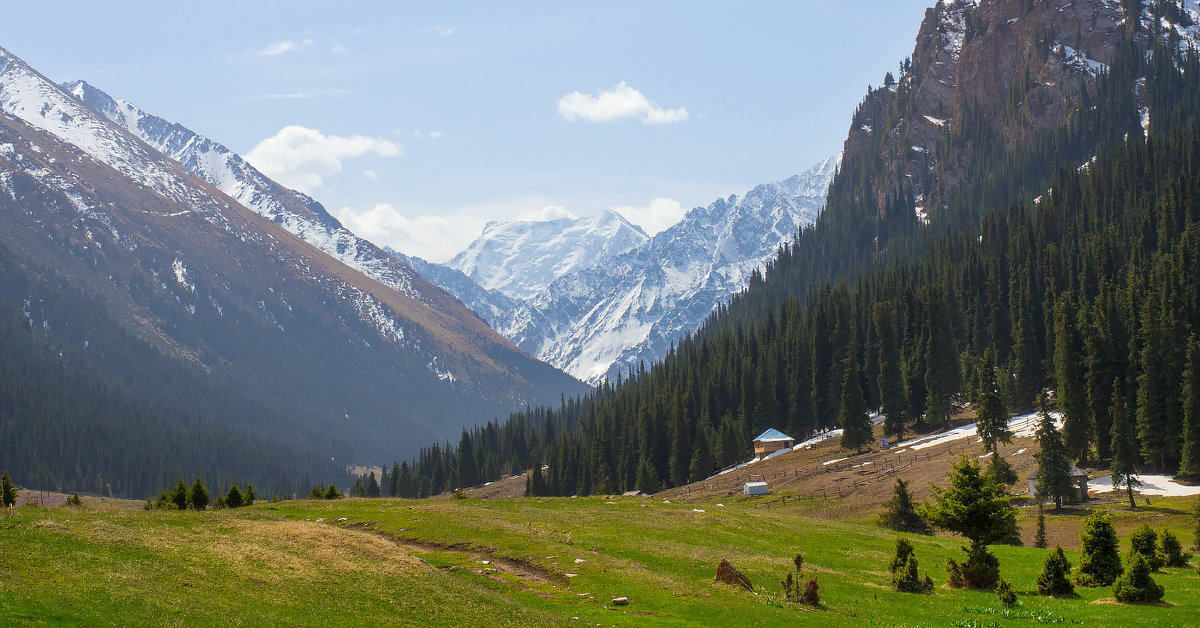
x=372, y=562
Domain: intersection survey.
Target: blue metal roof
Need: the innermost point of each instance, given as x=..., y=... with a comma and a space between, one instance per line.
x=773, y=434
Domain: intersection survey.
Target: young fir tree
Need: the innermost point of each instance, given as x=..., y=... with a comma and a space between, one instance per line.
x=904, y=550
x=1144, y=541
x=179, y=495
x=1189, y=462
x=1053, y=579
x=332, y=492
x=647, y=478
x=468, y=469
x=372, y=486
x=1005, y=593
x=1135, y=585
x=248, y=497
x=899, y=514
x=1099, y=558
x=1068, y=377
x=1124, y=445
x=855, y=422
x=1171, y=550
x=1039, y=538
x=197, y=498
x=1053, y=468
x=233, y=498
x=979, y=509
x=891, y=378
x=991, y=413
x=8, y=492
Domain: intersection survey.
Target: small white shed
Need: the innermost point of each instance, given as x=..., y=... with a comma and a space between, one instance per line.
x=754, y=488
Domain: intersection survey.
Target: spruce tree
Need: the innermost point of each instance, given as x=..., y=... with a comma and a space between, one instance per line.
x=647, y=478
x=1189, y=462
x=1152, y=391
x=1124, y=445
x=179, y=495
x=372, y=486
x=1039, y=537
x=1068, y=376
x=992, y=416
x=1171, y=550
x=979, y=509
x=899, y=514
x=1144, y=541
x=1099, y=559
x=233, y=498
x=332, y=492
x=891, y=378
x=248, y=497
x=1053, y=579
x=197, y=498
x=1027, y=351
x=942, y=373
x=1053, y=468
x=702, y=460
x=853, y=417
x=1136, y=585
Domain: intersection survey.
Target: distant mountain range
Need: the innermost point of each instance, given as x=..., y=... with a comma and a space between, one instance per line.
x=595, y=296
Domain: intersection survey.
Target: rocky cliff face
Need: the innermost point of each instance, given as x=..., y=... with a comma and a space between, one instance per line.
x=1006, y=70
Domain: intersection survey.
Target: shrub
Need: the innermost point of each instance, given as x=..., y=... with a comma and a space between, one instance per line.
x=1136, y=585
x=332, y=492
x=1144, y=541
x=954, y=574
x=233, y=499
x=1004, y=591
x=982, y=569
x=1171, y=550
x=906, y=580
x=74, y=500
x=812, y=595
x=904, y=549
x=316, y=493
x=459, y=494
x=791, y=584
x=1053, y=579
x=1099, y=560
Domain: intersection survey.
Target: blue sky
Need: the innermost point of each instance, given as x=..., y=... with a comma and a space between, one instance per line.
x=416, y=123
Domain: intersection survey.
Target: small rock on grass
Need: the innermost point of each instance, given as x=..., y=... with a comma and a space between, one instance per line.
x=620, y=601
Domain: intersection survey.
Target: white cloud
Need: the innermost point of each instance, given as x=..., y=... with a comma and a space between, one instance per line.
x=315, y=93
x=371, y=174
x=439, y=31
x=622, y=101
x=653, y=218
x=338, y=49
x=287, y=45
x=433, y=135
x=435, y=238
x=301, y=158
x=545, y=214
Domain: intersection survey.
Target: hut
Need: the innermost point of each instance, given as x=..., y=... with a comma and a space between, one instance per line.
x=754, y=488
x=1079, y=478
x=770, y=442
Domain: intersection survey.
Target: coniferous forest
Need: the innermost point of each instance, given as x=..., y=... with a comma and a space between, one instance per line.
x=1069, y=260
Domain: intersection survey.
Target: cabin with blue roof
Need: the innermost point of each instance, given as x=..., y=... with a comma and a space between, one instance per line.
x=770, y=442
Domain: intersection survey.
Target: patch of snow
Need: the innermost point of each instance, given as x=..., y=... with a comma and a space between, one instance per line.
x=828, y=462
x=1163, y=485
x=936, y=121
x=818, y=438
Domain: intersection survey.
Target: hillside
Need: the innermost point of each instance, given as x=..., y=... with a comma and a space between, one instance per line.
x=350, y=368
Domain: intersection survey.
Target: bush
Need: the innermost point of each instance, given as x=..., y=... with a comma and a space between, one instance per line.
x=904, y=549
x=459, y=494
x=906, y=580
x=74, y=500
x=1144, y=541
x=1004, y=591
x=954, y=574
x=1099, y=559
x=316, y=493
x=233, y=499
x=1136, y=585
x=812, y=595
x=332, y=492
x=1053, y=579
x=982, y=569
x=900, y=515
x=1171, y=550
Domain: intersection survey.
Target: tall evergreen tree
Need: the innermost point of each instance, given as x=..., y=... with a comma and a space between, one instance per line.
x=179, y=495
x=8, y=491
x=992, y=416
x=853, y=417
x=1152, y=391
x=468, y=468
x=1099, y=557
x=1069, y=381
x=1053, y=468
x=942, y=372
x=702, y=460
x=1030, y=374
x=1124, y=445
x=891, y=378
x=1189, y=462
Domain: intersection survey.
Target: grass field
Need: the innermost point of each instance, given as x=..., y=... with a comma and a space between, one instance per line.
x=549, y=562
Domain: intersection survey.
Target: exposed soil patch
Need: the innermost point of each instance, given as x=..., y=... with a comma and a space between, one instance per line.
x=521, y=569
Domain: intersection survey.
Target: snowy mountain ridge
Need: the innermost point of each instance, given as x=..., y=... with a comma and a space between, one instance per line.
x=230, y=173
x=599, y=319
x=521, y=258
